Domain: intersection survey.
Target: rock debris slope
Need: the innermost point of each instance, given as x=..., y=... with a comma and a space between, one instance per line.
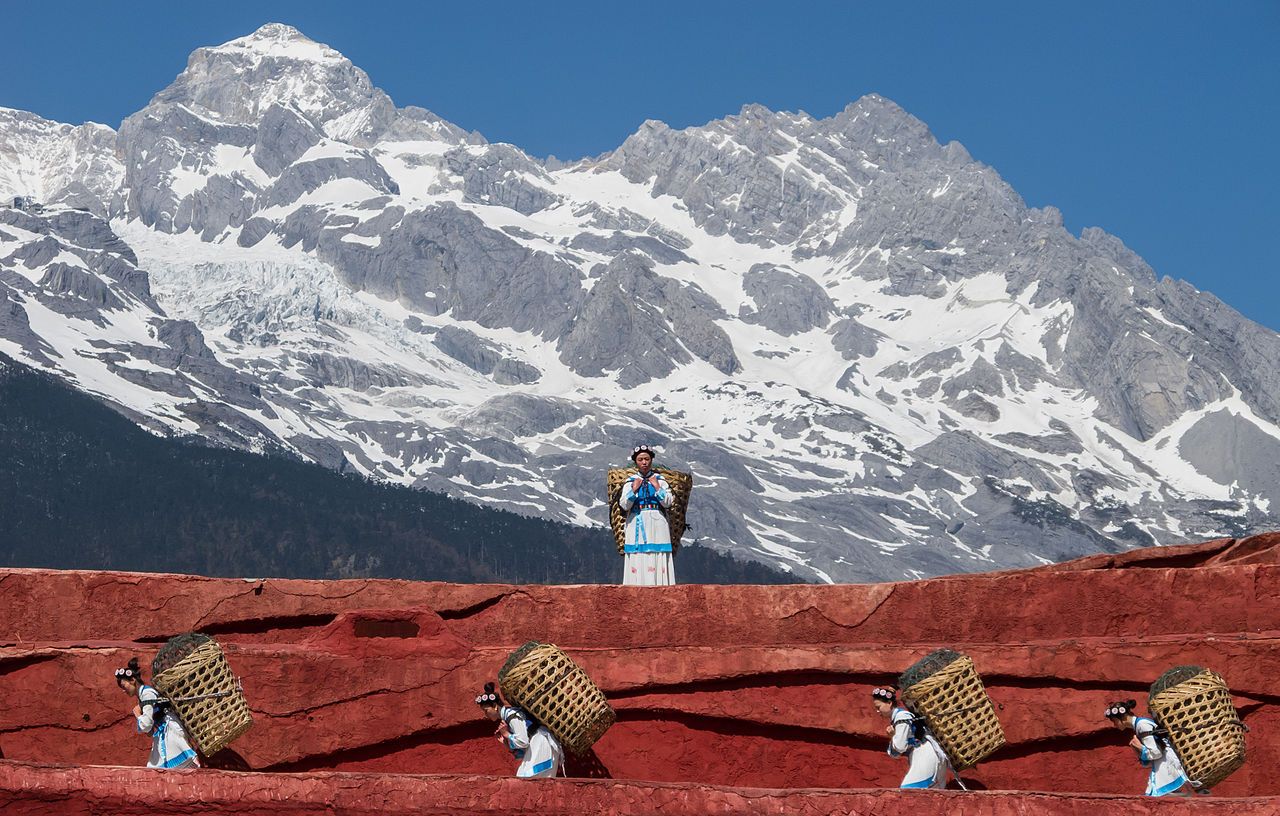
x=880, y=362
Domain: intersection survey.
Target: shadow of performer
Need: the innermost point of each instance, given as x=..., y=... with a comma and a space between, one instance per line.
x=587, y=766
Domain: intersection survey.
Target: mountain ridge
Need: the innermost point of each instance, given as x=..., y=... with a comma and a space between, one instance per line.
x=97, y=493
x=879, y=361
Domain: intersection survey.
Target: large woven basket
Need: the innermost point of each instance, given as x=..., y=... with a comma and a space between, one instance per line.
x=681, y=485
x=207, y=698
x=957, y=710
x=545, y=682
x=1203, y=726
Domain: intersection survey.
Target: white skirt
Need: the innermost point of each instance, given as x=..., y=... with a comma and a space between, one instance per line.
x=648, y=569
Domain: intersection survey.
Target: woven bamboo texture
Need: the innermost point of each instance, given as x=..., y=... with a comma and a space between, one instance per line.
x=1203, y=726
x=220, y=713
x=559, y=694
x=177, y=647
x=957, y=710
x=681, y=485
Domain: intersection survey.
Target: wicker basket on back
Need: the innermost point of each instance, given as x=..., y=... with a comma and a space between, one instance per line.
x=1194, y=706
x=944, y=688
x=193, y=674
x=681, y=484
x=556, y=692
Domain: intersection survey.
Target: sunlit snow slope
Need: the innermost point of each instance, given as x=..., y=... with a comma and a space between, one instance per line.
x=877, y=360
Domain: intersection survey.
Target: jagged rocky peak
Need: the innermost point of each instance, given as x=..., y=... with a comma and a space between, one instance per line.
x=869, y=123
x=241, y=80
x=873, y=118
x=768, y=177
x=889, y=318
x=55, y=163
x=279, y=41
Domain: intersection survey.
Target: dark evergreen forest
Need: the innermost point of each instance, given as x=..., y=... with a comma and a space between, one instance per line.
x=82, y=487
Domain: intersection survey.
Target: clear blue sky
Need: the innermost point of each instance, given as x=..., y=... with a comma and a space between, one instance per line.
x=1156, y=121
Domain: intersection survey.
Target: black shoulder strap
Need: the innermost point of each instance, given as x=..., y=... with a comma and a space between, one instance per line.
x=1160, y=735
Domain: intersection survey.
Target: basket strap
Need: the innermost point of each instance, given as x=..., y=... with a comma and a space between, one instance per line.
x=1213, y=724
x=213, y=695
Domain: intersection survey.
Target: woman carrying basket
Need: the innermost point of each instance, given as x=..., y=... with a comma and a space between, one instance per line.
x=646, y=548
x=537, y=748
x=169, y=746
x=926, y=763
x=1154, y=751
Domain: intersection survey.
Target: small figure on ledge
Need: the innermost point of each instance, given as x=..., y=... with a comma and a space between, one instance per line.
x=170, y=748
x=528, y=740
x=926, y=763
x=1153, y=749
x=647, y=549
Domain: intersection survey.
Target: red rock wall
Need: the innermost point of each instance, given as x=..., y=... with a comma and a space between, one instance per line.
x=54, y=791
x=729, y=686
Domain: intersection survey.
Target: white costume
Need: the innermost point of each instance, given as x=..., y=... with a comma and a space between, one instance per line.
x=540, y=755
x=646, y=545
x=926, y=762
x=169, y=746
x=1167, y=776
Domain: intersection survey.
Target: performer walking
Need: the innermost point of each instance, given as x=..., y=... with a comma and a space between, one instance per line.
x=528, y=740
x=1154, y=751
x=645, y=497
x=926, y=762
x=170, y=748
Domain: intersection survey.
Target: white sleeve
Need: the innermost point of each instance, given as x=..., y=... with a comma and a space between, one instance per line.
x=901, y=741
x=628, y=496
x=519, y=739
x=147, y=721
x=665, y=496
x=1150, y=746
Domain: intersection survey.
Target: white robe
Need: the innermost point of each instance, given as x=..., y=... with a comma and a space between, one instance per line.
x=926, y=761
x=1167, y=776
x=647, y=551
x=170, y=748
x=540, y=755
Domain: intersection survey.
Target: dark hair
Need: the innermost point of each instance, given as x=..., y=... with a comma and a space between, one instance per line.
x=131, y=671
x=887, y=693
x=1120, y=709
x=489, y=696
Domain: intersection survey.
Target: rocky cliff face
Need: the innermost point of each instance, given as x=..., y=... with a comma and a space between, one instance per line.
x=134, y=792
x=745, y=687
x=878, y=360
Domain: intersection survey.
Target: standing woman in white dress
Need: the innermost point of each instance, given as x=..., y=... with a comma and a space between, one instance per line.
x=646, y=546
x=170, y=748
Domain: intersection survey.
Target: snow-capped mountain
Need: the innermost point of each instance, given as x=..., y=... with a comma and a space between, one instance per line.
x=876, y=358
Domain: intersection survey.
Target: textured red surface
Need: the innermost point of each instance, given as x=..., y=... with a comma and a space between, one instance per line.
x=759, y=687
x=60, y=791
